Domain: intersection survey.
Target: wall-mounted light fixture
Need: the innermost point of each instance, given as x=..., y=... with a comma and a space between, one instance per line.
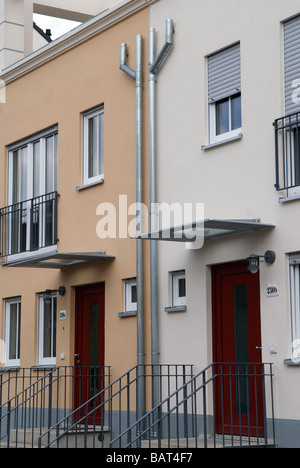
x=253, y=266
x=47, y=294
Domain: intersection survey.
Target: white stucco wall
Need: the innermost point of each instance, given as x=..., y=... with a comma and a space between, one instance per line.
x=234, y=181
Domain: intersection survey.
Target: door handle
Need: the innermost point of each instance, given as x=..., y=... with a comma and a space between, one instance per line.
x=258, y=347
x=77, y=357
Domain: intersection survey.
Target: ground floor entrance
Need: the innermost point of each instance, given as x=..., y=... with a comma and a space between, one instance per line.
x=89, y=345
x=237, y=350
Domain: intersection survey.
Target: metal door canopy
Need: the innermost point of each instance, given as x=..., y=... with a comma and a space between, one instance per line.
x=206, y=229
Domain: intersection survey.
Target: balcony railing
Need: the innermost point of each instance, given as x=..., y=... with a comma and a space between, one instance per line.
x=287, y=151
x=29, y=225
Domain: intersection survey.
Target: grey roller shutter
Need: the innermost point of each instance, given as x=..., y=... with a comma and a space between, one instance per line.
x=292, y=64
x=224, y=73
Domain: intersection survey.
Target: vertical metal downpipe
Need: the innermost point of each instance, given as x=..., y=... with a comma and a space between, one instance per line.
x=138, y=76
x=139, y=245
x=153, y=217
x=155, y=64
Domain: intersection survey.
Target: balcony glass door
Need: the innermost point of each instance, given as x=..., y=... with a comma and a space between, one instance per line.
x=18, y=209
x=32, y=184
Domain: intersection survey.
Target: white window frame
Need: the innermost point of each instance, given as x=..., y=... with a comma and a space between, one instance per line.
x=28, y=143
x=214, y=138
x=290, y=155
x=177, y=300
x=86, y=179
x=42, y=360
x=294, y=270
x=129, y=305
x=8, y=362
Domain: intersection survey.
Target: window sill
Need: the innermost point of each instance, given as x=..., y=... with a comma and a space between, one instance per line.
x=289, y=362
x=222, y=142
x=175, y=309
x=43, y=367
x=288, y=199
x=82, y=187
x=130, y=313
x=9, y=368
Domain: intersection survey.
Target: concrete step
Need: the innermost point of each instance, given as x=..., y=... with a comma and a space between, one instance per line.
x=211, y=442
x=29, y=438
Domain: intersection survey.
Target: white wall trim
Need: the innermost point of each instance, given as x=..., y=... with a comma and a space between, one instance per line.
x=91, y=28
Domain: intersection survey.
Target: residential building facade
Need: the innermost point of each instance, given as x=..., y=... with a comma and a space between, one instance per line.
x=217, y=337
x=68, y=156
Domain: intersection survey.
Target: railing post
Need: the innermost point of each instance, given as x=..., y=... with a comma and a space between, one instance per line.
x=86, y=424
x=204, y=410
x=276, y=155
x=31, y=225
x=264, y=403
x=8, y=423
x=50, y=401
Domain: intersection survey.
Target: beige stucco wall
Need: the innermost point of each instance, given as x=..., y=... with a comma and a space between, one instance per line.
x=57, y=93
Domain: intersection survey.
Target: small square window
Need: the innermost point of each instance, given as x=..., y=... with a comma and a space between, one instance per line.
x=93, y=146
x=178, y=289
x=225, y=118
x=130, y=294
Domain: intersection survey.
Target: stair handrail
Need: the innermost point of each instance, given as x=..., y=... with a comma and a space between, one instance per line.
x=32, y=392
x=111, y=394
x=83, y=406
x=141, y=429
x=24, y=400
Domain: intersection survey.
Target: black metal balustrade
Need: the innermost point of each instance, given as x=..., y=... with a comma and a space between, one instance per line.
x=106, y=415
x=78, y=407
x=225, y=405
x=29, y=225
x=33, y=399
x=287, y=151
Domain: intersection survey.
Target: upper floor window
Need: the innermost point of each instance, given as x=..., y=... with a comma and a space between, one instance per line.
x=29, y=221
x=287, y=128
x=93, y=146
x=12, y=332
x=224, y=94
x=32, y=167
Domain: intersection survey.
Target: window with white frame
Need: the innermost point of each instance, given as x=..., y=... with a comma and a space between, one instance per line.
x=178, y=289
x=47, y=316
x=12, y=332
x=294, y=265
x=224, y=94
x=291, y=139
x=130, y=295
x=32, y=185
x=93, y=146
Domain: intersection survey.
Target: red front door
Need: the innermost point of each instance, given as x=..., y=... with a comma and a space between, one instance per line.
x=237, y=350
x=89, y=348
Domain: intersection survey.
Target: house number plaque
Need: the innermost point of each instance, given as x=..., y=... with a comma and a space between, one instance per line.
x=272, y=290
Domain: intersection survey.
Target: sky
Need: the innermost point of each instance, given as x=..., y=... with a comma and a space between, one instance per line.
x=58, y=26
